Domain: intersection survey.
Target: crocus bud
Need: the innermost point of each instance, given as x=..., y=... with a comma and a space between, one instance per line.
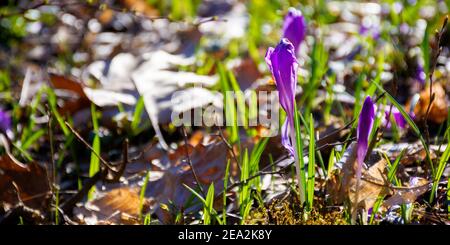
x=365, y=124
x=294, y=27
x=283, y=65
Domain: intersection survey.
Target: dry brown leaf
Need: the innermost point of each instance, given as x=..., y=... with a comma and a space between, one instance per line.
x=167, y=174
x=209, y=162
x=78, y=102
x=29, y=182
x=373, y=182
x=118, y=206
x=342, y=185
x=417, y=187
x=439, y=107
x=413, y=152
x=141, y=6
x=106, y=16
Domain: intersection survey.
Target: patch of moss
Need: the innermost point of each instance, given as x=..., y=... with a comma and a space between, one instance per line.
x=284, y=212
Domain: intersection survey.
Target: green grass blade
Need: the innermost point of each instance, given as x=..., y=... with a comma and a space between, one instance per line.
x=54, y=109
x=225, y=186
x=311, y=163
x=229, y=107
x=213, y=211
x=299, y=149
x=331, y=162
x=94, y=166
x=240, y=100
x=137, y=115
x=142, y=194
x=411, y=124
x=440, y=170
x=32, y=138
x=207, y=210
x=255, y=156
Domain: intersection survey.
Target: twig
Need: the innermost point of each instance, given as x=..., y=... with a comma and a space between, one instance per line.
x=230, y=148
x=78, y=136
x=437, y=52
x=103, y=173
x=188, y=158
x=69, y=204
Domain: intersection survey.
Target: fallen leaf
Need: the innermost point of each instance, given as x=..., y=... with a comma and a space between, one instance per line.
x=413, y=152
x=439, y=107
x=417, y=186
x=209, y=162
x=27, y=183
x=373, y=181
x=154, y=73
x=118, y=206
x=141, y=6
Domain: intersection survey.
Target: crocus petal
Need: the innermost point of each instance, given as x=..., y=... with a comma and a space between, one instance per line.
x=267, y=58
x=420, y=74
x=399, y=120
x=284, y=70
x=285, y=139
x=5, y=121
x=294, y=27
x=365, y=124
x=283, y=64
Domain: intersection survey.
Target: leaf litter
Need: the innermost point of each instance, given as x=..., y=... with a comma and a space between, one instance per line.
x=118, y=58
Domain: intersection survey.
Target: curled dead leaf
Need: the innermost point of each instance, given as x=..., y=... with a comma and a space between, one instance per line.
x=118, y=206
x=409, y=194
x=439, y=107
x=374, y=182
x=27, y=183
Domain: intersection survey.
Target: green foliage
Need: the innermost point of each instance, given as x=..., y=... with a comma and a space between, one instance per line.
x=206, y=204
x=208, y=207
x=311, y=165
x=245, y=200
x=142, y=194
x=94, y=166
x=443, y=161
x=411, y=124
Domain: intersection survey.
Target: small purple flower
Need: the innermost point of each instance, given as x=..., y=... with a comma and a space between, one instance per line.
x=420, y=74
x=398, y=118
x=365, y=124
x=283, y=65
x=294, y=27
x=5, y=121
x=372, y=30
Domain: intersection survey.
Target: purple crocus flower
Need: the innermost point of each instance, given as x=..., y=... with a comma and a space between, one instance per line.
x=365, y=124
x=397, y=115
x=294, y=27
x=420, y=74
x=283, y=65
x=372, y=30
x=5, y=121
x=398, y=118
